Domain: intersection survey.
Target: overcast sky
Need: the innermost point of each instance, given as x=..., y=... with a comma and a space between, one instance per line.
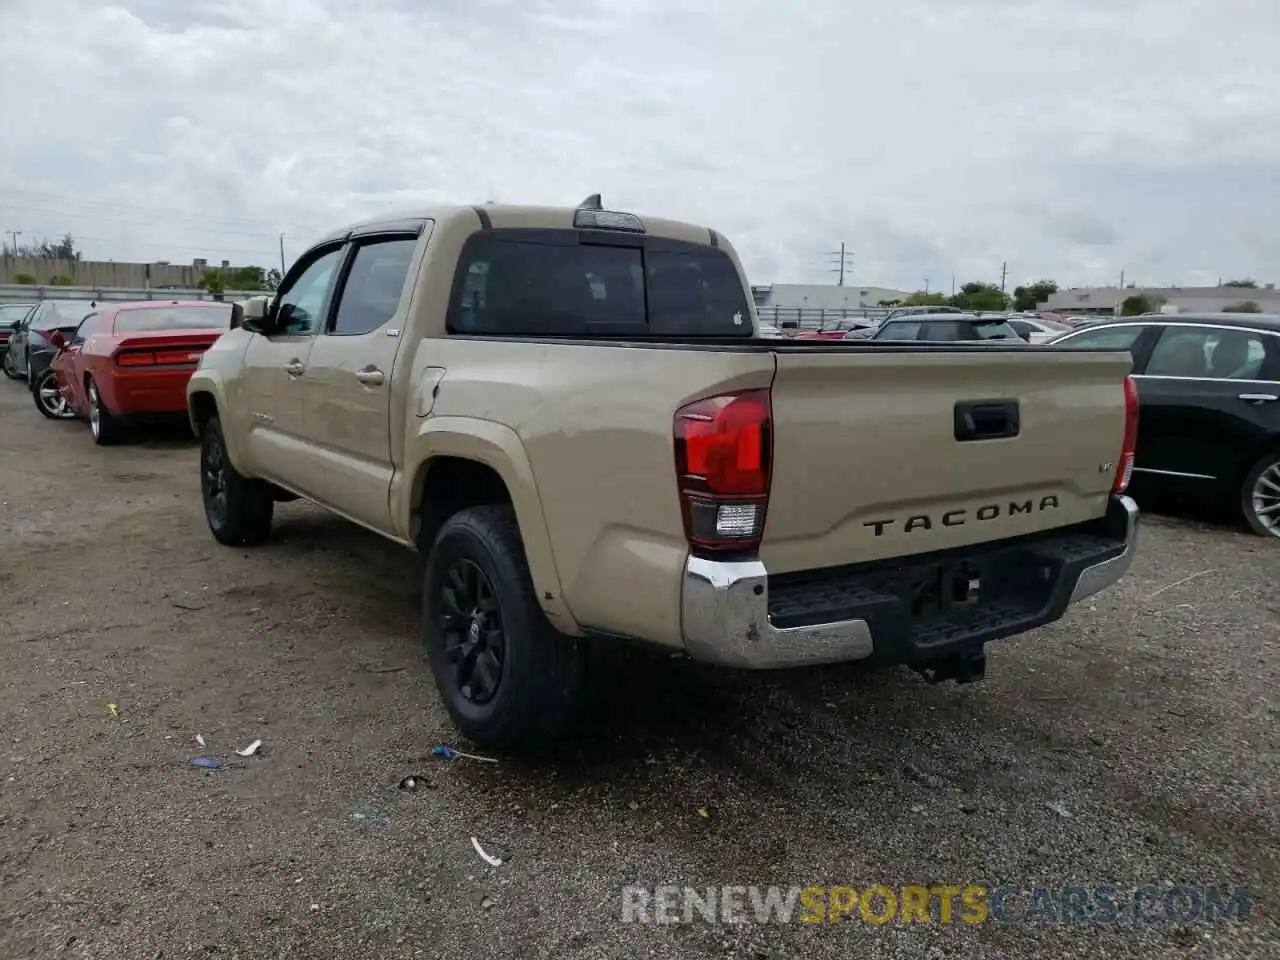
x=1072, y=138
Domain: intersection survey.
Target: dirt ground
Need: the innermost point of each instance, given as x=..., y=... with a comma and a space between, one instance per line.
x=1134, y=742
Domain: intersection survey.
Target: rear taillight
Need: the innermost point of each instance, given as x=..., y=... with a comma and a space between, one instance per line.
x=1124, y=467
x=188, y=357
x=724, y=449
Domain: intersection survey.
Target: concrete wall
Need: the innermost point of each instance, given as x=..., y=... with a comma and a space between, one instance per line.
x=99, y=273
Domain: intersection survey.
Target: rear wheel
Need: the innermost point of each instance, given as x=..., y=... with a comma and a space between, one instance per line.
x=104, y=426
x=1260, y=496
x=506, y=676
x=237, y=508
x=9, y=370
x=49, y=399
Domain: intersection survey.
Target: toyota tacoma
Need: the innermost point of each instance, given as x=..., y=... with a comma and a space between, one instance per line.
x=569, y=413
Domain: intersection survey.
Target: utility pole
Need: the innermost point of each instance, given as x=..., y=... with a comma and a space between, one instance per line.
x=844, y=262
x=282, y=255
x=953, y=284
x=926, y=285
x=1004, y=273
x=15, y=234
x=1121, y=279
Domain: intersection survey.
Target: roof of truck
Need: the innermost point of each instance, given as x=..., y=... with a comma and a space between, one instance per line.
x=508, y=216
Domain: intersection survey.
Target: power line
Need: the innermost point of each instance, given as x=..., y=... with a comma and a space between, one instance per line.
x=39, y=197
x=158, y=220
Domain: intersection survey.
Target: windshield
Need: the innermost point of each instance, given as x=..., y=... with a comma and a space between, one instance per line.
x=994, y=330
x=157, y=319
x=60, y=313
x=11, y=314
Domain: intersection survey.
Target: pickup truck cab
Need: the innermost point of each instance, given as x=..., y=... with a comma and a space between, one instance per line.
x=569, y=413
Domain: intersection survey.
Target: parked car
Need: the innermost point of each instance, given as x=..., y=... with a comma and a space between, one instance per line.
x=837, y=330
x=1209, y=393
x=564, y=412
x=30, y=348
x=947, y=328
x=1037, y=329
x=128, y=362
x=898, y=312
x=11, y=314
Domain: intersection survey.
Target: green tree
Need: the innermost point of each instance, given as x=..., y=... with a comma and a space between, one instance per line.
x=1246, y=283
x=1136, y=305
x=272, y=280
x=922, y=299
x=58, y=280
x=25, y=279
x=980, y=296
x=1246, y=306
x=1028, y=297
x=221, y=279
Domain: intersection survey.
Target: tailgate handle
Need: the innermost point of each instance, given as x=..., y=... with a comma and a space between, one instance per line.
x=986, y=419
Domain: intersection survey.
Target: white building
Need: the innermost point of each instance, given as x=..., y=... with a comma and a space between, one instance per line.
x=827, y=297
x=1106, y=300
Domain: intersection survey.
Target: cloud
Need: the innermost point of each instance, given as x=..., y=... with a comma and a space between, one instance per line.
x=935, y=137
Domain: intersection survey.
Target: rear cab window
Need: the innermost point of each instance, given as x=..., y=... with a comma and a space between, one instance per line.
x=575, y=283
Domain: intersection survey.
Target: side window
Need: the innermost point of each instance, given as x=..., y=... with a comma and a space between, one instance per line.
x=1207, y=352
x=1115, y=338
x=302, y=305
x=947, y=331
x=900, y=330
x=372, y=289
x=1021, y=328
x=88, y=327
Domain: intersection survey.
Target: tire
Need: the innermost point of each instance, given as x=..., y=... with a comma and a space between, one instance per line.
x=238, y=509
x=541, y=676
x=55, y=407
x=1260, y=496
x=106, y=428
x=9, y=371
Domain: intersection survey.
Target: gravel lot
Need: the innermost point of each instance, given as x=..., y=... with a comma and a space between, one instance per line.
x=1150, y=714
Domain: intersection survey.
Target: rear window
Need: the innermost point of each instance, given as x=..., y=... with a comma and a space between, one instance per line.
x=550, y=283
x=156, y=319
x=60, y=313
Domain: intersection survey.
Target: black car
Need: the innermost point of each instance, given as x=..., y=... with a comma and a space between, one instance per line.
x=30, y=350
x=1209, y=417
x=946, y=328
x=10, y=315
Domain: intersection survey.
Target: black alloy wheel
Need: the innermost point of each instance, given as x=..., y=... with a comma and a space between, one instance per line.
x=471, y=625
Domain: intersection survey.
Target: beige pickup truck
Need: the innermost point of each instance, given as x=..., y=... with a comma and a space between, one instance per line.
x=569, y=413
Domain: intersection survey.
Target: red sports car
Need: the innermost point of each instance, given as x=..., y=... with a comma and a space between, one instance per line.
x=133, y=360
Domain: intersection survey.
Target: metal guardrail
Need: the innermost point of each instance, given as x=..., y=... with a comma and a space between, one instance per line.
x=29, y=293
x=814, y=318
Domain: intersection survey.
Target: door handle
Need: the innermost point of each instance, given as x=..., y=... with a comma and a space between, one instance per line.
x=370, y=376
x=1258, y=397
x=294, y=368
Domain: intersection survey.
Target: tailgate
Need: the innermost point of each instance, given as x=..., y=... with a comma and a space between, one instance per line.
x=867, y=464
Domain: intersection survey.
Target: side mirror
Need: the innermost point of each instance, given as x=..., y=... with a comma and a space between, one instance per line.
x=251, y=314
x=255, y=308
x=58, y=340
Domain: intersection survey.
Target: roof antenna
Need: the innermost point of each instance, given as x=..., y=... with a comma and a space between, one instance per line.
x=591, y=203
